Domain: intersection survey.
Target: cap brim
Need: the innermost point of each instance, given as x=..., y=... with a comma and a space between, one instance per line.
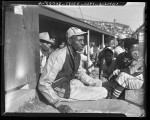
x=50, y=41
x=82, y=33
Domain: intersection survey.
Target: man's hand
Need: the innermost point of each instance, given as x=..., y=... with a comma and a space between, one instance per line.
x=103, y=79
x=97, y=83
x=116, y=72
x=64, y=109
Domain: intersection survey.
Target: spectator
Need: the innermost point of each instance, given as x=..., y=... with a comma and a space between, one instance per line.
x=45, y=48
x=91, y=46
x=85, y=65
x=108, y=43
x=108, y=65
x=62, y=45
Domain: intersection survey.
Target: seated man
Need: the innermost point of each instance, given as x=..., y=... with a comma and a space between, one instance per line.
x=129, y=68
x=63, y=79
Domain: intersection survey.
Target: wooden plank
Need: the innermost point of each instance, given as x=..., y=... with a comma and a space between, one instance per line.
x=15, y=56
x=32, y=32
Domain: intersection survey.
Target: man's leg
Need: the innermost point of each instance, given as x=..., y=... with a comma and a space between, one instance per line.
x=120, y=84
x=81, y=92
x=125, y=80
x=134, y=83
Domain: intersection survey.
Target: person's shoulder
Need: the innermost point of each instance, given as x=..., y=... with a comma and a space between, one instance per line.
x=59, y=52
x=120, y=56
x=118, y=48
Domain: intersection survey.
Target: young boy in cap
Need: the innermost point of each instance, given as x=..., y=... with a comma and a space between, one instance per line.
x=108, y=43
x=108, y=64
x=62, y=78
x=129, y=68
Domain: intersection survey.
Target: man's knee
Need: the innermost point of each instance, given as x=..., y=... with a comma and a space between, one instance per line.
x=104, y=92
x=137, y=84
x=122, y=77
x=123, y=74
x=76, y=82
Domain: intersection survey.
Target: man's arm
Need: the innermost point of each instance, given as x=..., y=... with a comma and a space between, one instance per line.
x=86, y=79
x=135, y=66
x=51, y=69
x=123, y=67
x=53, y=66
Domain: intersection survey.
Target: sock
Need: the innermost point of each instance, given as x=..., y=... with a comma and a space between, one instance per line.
x=117, y=91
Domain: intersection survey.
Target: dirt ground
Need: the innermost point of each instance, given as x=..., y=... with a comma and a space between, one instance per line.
x=101, y=106
x=35, y=105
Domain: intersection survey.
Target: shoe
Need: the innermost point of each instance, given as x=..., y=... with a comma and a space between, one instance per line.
x=109, y=95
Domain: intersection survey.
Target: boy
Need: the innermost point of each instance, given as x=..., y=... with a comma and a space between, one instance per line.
x=108, y=64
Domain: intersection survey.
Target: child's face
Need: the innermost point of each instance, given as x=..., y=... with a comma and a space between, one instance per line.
x=111, y=44
x=134, y=51
x=62, y=45
x=108, y=57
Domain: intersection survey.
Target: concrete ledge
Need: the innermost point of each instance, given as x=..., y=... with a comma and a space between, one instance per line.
x=17, y=98
x=106, y=106
x=135, y=96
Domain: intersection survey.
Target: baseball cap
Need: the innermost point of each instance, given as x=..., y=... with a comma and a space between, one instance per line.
x=121, y=38
x=109, y=49
x=45, y=36
x=74, y=31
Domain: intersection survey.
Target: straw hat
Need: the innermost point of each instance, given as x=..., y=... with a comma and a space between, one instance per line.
x=45, y=36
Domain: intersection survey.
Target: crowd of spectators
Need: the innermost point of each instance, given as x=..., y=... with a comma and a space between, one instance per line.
x=111, y=27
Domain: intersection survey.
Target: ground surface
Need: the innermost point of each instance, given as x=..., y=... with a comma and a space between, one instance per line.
x=100, y=106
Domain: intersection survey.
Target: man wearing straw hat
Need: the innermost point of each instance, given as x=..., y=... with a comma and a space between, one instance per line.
x=45, y=47
x=64, y=80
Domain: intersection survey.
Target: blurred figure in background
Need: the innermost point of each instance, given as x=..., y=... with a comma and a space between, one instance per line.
x=85, y=64
x=120, y=48
x=45, y=48
x=91, y=46
x=108, y=43
x=62, y=45
x=108, y=65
